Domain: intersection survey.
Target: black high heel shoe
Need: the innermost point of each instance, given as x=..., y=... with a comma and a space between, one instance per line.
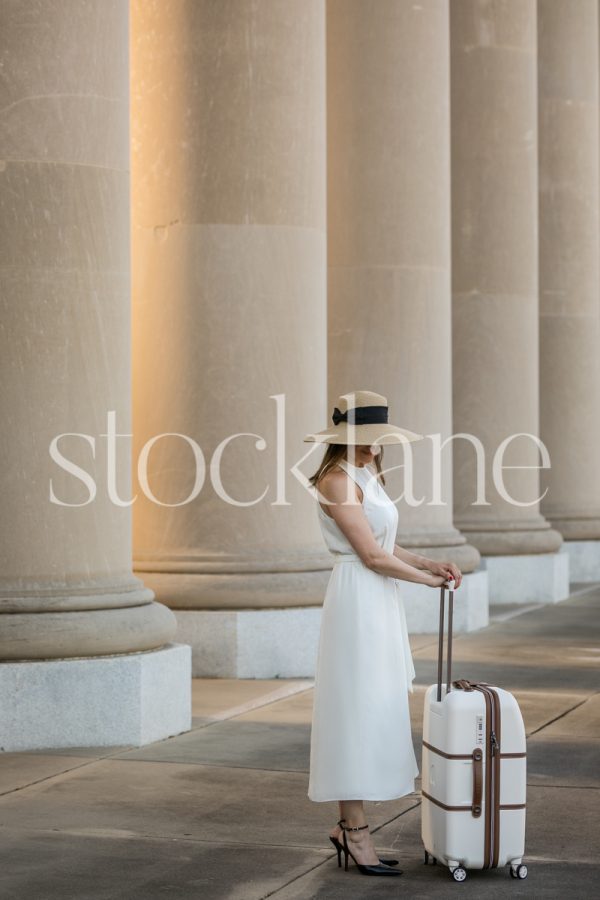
x=339, y=847
x=365, y=868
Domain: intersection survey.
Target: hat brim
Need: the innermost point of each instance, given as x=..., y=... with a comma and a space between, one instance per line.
x=364, y=434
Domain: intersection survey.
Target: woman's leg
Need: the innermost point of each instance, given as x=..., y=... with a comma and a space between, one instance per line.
x=359, y=842
x=336, y=831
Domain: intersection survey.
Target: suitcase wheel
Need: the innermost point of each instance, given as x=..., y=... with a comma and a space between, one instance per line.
x=518, y=871
x=459, y=874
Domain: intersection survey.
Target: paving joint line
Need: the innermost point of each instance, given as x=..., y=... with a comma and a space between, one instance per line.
x=234, y=711
x=398, y=816
x=562, y=715
x=118, y=835
x=553, y=860
x=214, y=765
x=563, y=787
x=506, y=617
x=308, y=871
x=24, y=787
x=586, y=590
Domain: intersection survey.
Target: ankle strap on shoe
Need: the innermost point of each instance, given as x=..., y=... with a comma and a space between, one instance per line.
x=352, y=828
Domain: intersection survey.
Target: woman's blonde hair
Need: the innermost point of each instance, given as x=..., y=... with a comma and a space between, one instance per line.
x=332, y=456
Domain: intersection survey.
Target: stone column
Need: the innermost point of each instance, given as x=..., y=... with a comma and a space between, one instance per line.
x=388, y=166
x=71, y=612
x=569, y=283
x=495, y=293
x=230, y=321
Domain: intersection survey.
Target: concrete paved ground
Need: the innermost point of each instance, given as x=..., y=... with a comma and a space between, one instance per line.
x=221, y=812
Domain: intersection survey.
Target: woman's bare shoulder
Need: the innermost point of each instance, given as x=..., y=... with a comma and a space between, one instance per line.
x=334, y=484
x=336, y=475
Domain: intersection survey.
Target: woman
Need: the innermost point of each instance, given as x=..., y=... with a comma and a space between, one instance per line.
x=361, y=743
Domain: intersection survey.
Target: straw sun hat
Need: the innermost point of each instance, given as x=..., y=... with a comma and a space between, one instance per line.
x=362, y=418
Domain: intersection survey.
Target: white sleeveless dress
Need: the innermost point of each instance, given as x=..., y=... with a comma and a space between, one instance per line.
x=361, y=744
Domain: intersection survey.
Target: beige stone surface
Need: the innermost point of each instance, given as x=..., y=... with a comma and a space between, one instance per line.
x=64, y=283
x=547, y=842
x=199, y=321
x=228, y=113
x=229, y=337
x=196, y=800
x=494, y=270
x=64, y=97
x=294, y=710
x=569, y=276
x=211, y=698
x=220, y=698
x=388, y=104
x=21, y=769
x=512, y=647
x=583, y=721
x=388, y=196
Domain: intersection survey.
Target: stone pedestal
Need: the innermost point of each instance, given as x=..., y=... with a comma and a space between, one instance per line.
x=584, y=560
x=252, y=643
x=132, y=698
x=525, y=578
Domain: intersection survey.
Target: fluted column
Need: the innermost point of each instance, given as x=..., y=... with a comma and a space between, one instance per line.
x=389, y=240
x=229, y=297
x=66, y=585
x=569, y=279
x=494, y=272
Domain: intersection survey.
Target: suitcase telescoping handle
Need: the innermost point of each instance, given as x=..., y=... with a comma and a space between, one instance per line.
x=450, y=585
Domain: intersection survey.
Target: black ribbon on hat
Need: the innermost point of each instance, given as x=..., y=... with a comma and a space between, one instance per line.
x=361, y=415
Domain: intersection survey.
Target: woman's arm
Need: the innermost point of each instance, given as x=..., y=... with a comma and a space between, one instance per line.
x=447, y=569
x=340, y=494
x=413, y=559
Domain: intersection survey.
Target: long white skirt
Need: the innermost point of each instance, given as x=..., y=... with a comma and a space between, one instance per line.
x=361, y=745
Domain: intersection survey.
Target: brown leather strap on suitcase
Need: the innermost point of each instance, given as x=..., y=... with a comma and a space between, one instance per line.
x=477, y=781
x=463, y=684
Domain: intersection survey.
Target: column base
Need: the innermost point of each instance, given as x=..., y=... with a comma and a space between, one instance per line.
x=442, y=545
x=217, y=592
x=98, y=701
x=529, y=578
x=584, y=560
x=511, y=537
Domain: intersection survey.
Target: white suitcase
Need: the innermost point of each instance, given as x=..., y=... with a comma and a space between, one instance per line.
x=473, y=772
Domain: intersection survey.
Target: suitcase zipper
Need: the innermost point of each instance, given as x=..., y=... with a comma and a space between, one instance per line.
x=491, y=761
x=496, y=738
x=492, y=813
x=489, y=774
x=495, y=744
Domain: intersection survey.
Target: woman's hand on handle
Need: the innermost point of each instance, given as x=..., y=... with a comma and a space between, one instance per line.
x=436, y=580
x=448, y=572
